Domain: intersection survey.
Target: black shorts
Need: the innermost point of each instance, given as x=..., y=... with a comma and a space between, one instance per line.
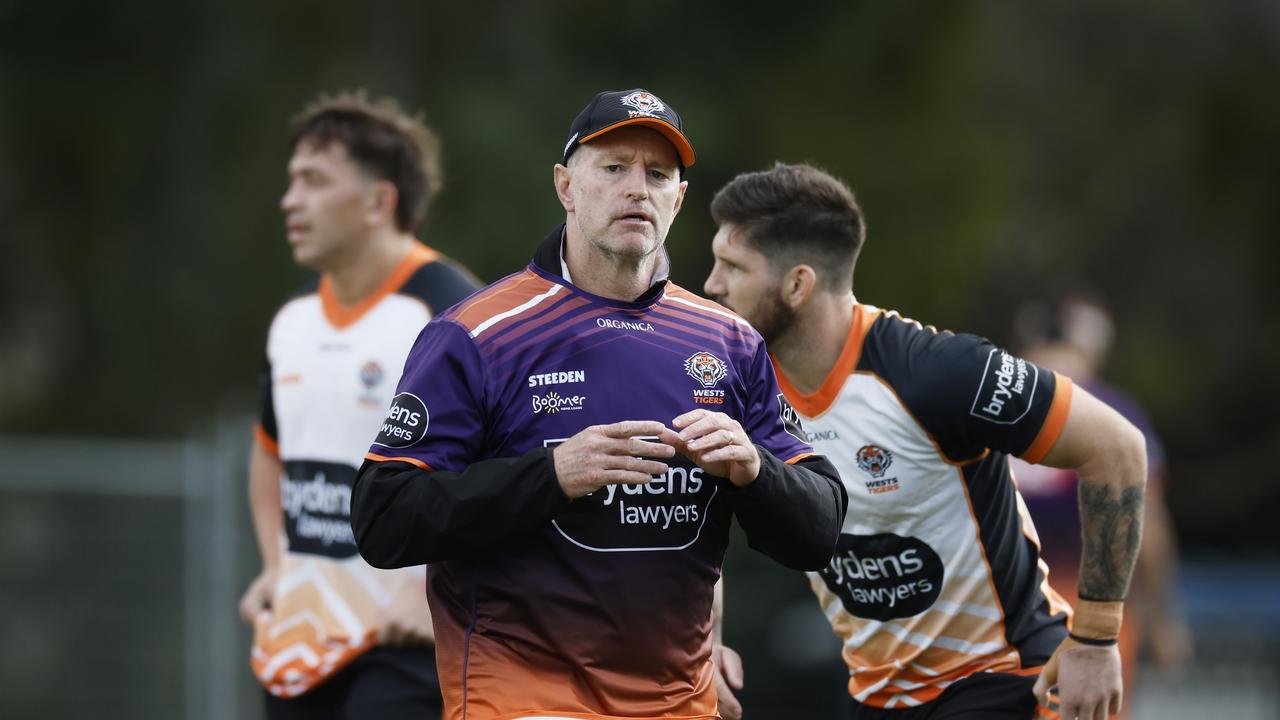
x=386, y=682
x=981, y=696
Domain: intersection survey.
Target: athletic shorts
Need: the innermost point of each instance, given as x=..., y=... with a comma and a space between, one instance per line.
x=981, y=696
x=386, y=682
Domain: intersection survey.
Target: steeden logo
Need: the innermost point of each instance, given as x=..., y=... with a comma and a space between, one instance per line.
x=706, y=368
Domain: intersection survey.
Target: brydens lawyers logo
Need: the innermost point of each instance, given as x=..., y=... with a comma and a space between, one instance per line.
x=405, y=424
x=706, y=369
x=645, y=102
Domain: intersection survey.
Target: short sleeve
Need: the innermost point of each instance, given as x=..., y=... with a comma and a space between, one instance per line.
x=972, y=396
x=265, y=432
x=436, y=419
x=768, y=418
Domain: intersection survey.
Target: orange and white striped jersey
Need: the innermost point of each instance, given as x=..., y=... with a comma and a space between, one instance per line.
x=331, y=372
x=937, y=574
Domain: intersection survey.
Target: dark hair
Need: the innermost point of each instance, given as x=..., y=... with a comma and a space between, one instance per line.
x=384, y=141
x=796, y=213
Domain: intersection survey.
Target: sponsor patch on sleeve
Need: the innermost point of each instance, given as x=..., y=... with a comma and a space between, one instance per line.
x=405, y=424
x=791, y=420
x=1006, y=388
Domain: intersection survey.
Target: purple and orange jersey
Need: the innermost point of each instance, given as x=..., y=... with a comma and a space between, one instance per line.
x=604, y=611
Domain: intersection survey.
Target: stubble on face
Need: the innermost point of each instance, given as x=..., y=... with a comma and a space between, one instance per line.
x=624, y=213
x=772, y=317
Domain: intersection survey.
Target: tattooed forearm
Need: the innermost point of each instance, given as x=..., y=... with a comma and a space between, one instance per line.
x=1111, y=525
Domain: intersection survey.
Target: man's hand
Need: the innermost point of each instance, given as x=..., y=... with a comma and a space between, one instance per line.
x=728, y=678
x=716, y=443
x=257, y=599
x=1088, y=680
x=407, y=620
x=609, y=455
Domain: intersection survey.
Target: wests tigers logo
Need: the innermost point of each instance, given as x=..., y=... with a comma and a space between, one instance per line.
x=706, y=369
x=874, y=460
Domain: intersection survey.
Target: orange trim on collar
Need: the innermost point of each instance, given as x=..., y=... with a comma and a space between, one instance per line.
x=341, y=316
x=1059, y=409
x=818, y=402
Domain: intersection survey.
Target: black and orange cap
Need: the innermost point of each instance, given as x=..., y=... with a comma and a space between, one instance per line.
x=612, y=109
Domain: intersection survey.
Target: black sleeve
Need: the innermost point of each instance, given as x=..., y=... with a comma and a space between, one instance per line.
x=792, y=513
x=441, y=284
x=404, y=516
x=967, y=393
x=266, y=402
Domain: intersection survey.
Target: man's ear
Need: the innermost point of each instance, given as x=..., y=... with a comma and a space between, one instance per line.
x=562, y=177
x=798, y=285
x=382, y=201
x=684, y=185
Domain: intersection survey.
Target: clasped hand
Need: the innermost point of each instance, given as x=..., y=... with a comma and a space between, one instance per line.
x=626, y=452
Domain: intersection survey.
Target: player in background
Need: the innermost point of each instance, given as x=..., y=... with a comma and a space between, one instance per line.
x=568, y=447
x=334, y=637
x=936, y=587
x=1073, y=336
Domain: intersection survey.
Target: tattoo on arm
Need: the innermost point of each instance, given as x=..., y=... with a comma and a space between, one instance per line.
x=1112, y=531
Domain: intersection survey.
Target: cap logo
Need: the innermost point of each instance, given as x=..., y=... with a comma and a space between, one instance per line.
x=569, y=144
x=645, y=102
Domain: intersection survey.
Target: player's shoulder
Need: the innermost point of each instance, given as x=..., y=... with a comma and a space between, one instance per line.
x=308, y=291
x=438, y=281
x=516, y=297
x=706, y=312
x=893, y=339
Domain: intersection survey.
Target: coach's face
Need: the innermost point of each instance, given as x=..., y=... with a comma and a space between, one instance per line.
x=743, y=280
x=622, y=191
x=328, y=205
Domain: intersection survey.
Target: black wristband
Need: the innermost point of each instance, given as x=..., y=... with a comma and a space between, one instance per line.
x=1082, y=596
x=1095, y=642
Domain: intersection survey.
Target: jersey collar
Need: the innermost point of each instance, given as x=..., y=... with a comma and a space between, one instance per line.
x=548, y=260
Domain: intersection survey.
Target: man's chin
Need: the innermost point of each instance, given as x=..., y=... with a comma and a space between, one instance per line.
x=632, y=245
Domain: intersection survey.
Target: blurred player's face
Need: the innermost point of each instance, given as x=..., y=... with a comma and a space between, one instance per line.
x=743, y=281
x=326, y=206
x=622, y=192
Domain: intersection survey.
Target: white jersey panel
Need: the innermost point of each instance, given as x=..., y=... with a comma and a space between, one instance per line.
x=910, y=562
x=330, y=388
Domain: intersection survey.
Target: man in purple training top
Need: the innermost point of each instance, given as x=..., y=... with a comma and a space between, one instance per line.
x=568, y=446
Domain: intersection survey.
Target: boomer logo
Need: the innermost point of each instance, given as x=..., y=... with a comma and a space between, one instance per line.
x=553, y=402
x=405, y=424
x=666, y=513
x=885, y=576
x=874, y=460
x=1006, y=388
x=316, y=498
x=705, y=368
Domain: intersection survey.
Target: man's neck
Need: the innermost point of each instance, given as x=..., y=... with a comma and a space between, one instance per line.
x=617, y=277
x=808, y=351
x=356, y=277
